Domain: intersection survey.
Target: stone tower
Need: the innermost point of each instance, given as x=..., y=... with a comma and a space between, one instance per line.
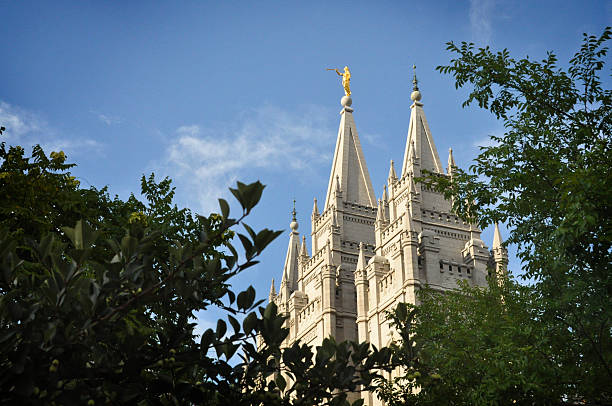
x=367, y=254
x=318, y=291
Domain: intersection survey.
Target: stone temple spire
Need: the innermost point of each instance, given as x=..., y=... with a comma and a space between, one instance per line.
x=349, y=171
x=392, y=175
x=272, y=293
x=500, y=254
x=315, y=209
x=497, y=238
x=289, y=283
x=361, y=262
x=303, y=249
x=451, y=163
x=419, y=135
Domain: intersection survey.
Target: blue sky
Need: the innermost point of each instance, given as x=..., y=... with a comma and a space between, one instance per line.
x=213, y=92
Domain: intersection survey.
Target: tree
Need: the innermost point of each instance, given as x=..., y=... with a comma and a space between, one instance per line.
x=476, y=346
x=102, y=312
x=548, y=179
x=40, y=193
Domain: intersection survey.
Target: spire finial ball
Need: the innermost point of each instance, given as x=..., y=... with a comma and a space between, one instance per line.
x=416, y=94
x=346, y=101
x=294, y=223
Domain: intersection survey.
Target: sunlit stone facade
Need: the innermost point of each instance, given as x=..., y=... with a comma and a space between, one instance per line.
x=368, y=254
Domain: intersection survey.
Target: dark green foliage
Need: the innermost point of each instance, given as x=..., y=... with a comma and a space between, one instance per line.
x=476, y=346
x=98, y=298
x=548, y=178
x=40, y=195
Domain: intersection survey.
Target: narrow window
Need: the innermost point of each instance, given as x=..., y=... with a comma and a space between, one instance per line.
x=450, y=267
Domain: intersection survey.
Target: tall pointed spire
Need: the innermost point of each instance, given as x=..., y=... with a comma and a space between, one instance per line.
x=420, y=135
x=411, y=152
x=272, y=293
x=349, y=169
x=303, y=249
x=392, y=174
x=451, y=163
x=361, y=262
x=500, y=254
x=315, y=209
x=497, y=238
x=290, y=270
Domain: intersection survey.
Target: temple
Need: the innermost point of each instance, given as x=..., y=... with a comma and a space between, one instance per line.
x=367, y=254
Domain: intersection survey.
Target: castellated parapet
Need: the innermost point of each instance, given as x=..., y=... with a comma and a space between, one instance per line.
x=367, y=254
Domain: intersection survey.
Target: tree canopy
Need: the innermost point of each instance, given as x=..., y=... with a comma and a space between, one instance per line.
x=98, y=298
x=548, y=178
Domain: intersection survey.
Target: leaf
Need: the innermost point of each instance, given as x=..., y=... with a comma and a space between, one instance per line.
x=207, y=339
x=249, y=322
x=225, y=210
x=248, y=195
x=230, y=349
x=82, y=235
x=247, y=245
x=401, y=311
x=250, y=231
x=231, y=296
x=235, y=324
x=221, y=329
x=264, y=238
x=245, y=298
x=270, y=311
x=44, y=247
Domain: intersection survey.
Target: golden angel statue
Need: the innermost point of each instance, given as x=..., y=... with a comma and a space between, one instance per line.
x=346, y=79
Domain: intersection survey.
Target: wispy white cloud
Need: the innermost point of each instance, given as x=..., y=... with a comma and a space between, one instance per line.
x=27, y=128
x=374, y=139
x=481, y=15
x=107, y=119
x=210, y=160
x=188, y=130
x=19, y=122
x=72, y=145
